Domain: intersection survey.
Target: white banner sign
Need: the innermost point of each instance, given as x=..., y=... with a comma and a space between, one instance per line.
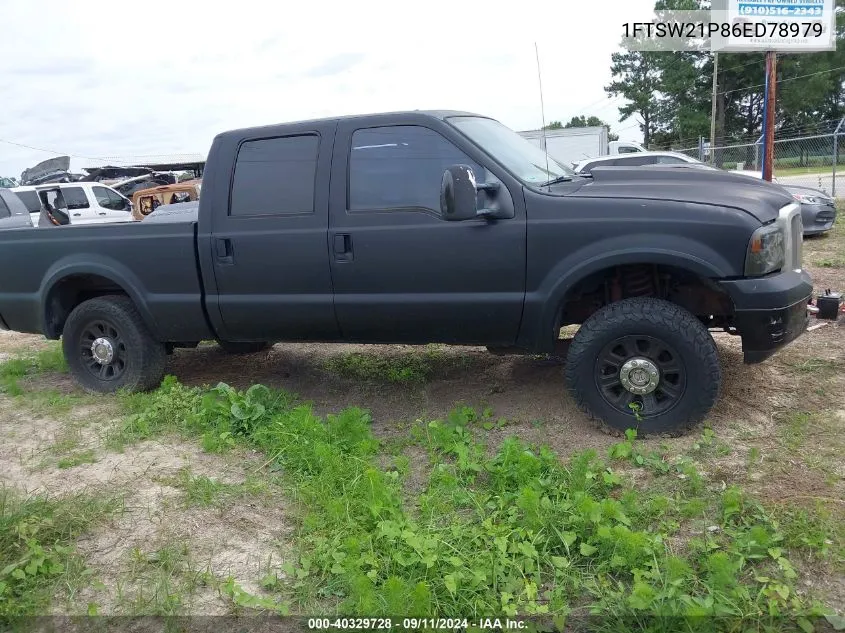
x=784, y=26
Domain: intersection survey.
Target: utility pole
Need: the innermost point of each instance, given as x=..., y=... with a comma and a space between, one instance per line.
x=769, y=115
x=713, y=109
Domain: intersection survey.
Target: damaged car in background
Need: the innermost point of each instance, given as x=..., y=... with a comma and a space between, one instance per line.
x=145, y=201
x=126, y=180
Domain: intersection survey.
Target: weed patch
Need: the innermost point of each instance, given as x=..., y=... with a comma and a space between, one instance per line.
x=77, y=459
x=204, y=491
x=515, y=532
x=411, y=367
x=50, y=360
x=157, y=582
x=36, y=553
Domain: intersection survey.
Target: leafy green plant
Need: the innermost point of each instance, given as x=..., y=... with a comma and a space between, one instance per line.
x=242, y=599
x=36, y=552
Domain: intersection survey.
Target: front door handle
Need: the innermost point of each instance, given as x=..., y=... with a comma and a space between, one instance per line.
x=76, y=215
x=101, y=213
x=343, y=247
x=225, y=254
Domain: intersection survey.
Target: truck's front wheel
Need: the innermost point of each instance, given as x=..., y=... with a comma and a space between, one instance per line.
x=646, y=364
x=108, y=347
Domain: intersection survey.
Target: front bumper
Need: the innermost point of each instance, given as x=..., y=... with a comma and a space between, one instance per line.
x=817, y=218
x=770, y=312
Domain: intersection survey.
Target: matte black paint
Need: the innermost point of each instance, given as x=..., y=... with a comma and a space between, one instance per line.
x=399, y=275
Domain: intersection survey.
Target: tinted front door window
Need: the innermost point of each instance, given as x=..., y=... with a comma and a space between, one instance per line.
x=401, y=167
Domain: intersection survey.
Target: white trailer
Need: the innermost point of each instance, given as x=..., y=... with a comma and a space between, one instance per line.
x=569, y=146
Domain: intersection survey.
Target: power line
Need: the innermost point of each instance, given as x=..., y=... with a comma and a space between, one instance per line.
x=781, y=81
x=51, y=151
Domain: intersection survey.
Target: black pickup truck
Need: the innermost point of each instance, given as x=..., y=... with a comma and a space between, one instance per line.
x=419, y=227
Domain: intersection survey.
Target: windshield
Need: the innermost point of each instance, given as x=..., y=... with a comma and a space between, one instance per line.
x=526, y=161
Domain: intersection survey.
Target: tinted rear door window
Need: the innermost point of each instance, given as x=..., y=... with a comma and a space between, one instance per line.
x=4, y=209
x=275, y=176
x=75, y=198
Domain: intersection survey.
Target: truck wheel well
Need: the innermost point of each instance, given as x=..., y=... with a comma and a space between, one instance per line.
x=68, y=293
x=699, y=295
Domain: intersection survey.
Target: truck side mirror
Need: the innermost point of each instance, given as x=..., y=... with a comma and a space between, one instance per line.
x=458, y=191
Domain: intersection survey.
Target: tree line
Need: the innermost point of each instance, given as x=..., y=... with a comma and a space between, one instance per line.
x=670, y=93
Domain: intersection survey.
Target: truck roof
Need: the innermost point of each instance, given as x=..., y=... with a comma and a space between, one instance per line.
x=372, y=117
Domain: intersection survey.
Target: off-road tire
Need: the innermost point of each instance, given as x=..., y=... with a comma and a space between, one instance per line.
x=232, y=347
x=667, y=323
x=144, y=357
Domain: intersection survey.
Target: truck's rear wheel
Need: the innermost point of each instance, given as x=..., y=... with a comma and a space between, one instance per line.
x=108, y=347
x=232, y=347
x=646, y=364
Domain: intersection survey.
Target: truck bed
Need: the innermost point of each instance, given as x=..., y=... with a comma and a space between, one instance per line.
x=156, y=264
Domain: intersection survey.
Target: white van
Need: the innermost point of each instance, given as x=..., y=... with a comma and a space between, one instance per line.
x=86, y=202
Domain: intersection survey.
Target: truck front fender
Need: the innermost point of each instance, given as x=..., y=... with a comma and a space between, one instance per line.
x=91, y=265
x=543, y=303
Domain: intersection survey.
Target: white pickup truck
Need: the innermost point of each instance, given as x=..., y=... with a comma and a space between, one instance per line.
x=86, y=202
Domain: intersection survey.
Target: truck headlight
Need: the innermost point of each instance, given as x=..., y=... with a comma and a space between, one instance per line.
x=766, y=251
x=806, y=199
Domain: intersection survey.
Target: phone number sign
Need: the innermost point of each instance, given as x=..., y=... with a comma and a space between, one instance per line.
x=787, y=26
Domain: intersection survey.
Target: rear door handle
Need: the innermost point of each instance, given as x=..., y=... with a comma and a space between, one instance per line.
x=101, y=213
x=343, y=247
x=225, y=254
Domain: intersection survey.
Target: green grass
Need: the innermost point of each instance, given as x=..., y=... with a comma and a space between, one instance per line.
x=819, y=529
x=408, y=367
x=158, y=582
x=835, y=262
x=793, y=428
x=504, y=532
x=203, y=491
x=77, y=459
x=37, y=558
x=47, y=361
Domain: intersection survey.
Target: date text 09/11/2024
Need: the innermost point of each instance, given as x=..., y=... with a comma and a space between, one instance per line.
x=414, y=624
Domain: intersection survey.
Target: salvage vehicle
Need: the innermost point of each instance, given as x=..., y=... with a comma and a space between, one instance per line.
x=423, y=227
x=86, y=202
x=129, y=186
x=146, y=201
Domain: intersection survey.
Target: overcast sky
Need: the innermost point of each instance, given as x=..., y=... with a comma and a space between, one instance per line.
x=129, y=79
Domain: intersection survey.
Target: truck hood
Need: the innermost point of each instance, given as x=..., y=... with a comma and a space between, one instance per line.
x=756, y=197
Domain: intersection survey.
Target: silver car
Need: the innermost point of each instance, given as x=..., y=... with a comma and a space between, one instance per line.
x=13, y=212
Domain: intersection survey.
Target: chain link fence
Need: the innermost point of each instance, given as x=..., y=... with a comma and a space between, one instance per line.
x=815, y=161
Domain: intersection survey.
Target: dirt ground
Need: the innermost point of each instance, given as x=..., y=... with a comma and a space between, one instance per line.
x=782, y=421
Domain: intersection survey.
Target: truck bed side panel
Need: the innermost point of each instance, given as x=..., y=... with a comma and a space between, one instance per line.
x=154, y=264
